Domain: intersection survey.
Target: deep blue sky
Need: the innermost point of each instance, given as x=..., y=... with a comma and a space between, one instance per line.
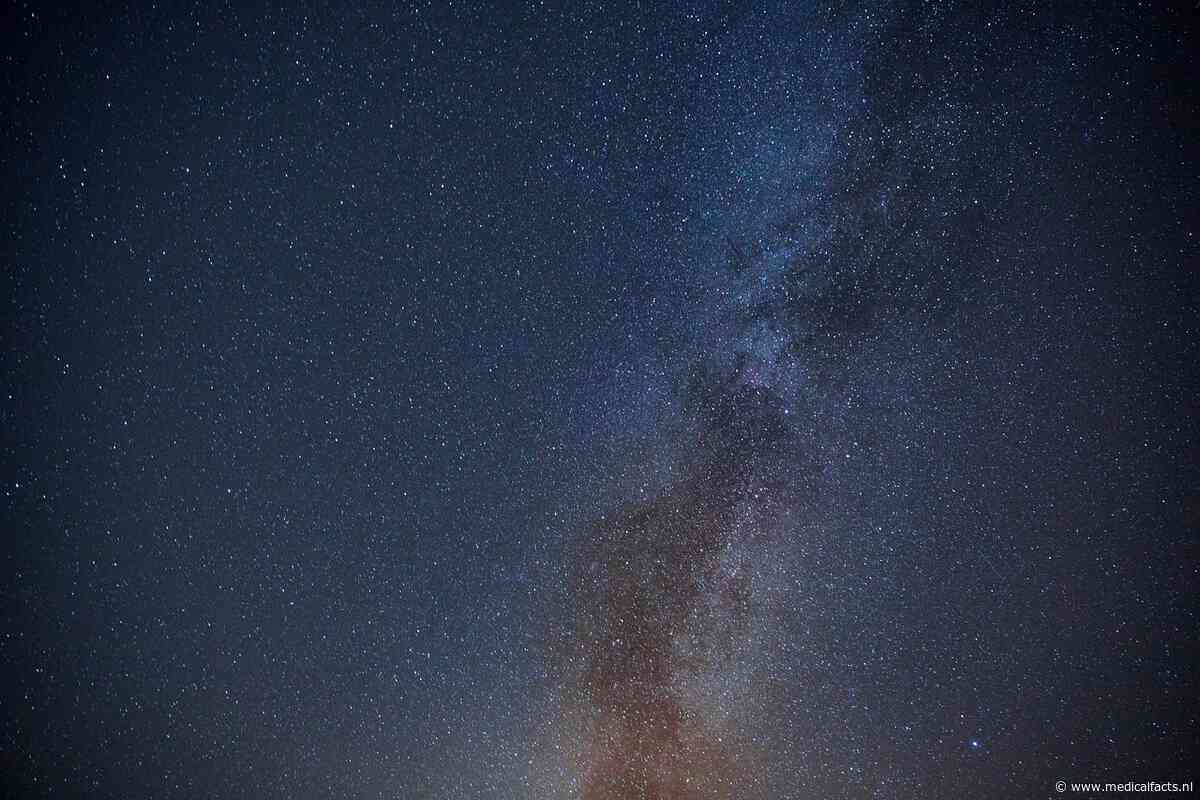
x=648, y=401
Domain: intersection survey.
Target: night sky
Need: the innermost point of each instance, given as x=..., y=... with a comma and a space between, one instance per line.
x=599, y=402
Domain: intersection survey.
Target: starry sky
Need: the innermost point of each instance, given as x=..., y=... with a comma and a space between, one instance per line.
x=598, y=401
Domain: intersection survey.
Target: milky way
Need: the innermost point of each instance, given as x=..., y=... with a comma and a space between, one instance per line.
x=738, y=400
x=674, y=595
